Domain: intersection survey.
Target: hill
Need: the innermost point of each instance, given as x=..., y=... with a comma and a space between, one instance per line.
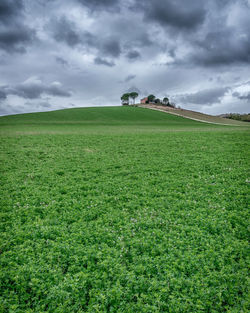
x=98, y=119
x=123, y=115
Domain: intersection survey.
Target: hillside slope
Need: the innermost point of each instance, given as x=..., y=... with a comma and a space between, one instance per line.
x=197, y=116
x=100, y=120
x=97, y=115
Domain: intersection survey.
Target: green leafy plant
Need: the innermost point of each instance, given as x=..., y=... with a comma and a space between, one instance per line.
x=122, y=209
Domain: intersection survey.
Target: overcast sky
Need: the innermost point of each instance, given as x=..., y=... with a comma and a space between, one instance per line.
x=70, y=53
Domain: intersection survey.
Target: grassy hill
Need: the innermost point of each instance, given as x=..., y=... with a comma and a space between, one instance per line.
x=100, y=119
x=122, y=210
x=100, y=115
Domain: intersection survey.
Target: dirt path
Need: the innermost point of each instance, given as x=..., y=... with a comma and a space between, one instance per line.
x=192, y=115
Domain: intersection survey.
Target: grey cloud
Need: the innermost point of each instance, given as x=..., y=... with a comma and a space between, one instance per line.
x=132, y=89
x=56, y=89
x=131, y=32
x=204, y=97
x=16, y=39
x=99, y=5
x=129, y=78
x=176, y=13
x=9, y=9
x=133, y=54
x=173, y=46
x=62, y=61
x=111, y=47
x=3, y=95
x=222, y=48
x=244, y=96
x=236, y=94
x=101, y=61
x=34, y=88
x=65, y=31
x=42, y=104
x=15, y=36
x=45, y=104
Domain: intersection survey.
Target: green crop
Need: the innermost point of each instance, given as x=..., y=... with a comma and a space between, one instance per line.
x=123, y=210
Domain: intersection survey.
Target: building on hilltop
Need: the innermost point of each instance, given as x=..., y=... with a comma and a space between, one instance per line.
x=144, y=100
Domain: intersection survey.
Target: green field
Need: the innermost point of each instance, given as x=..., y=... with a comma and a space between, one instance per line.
x=123, y=209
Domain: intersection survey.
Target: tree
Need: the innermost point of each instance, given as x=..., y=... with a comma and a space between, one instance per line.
x=172, y=105
x=165, y=101
x=125, y=98
x=151, y=98
x=133, y=95
x=157, y=101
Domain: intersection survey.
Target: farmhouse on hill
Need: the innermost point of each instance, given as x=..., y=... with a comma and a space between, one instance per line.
x=144, y=100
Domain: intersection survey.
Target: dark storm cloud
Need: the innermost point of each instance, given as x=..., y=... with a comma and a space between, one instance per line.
x=205, y=97
x=133, y=54
x=222, y=48
x=3, y=95
x=175, y=13
x=16, y=39
x=9, y=9
x=66, y=31
x=224, y=38
x=99, y=5
x=14, y=34
x=33, y=88
x=94, y=46
x=111, y=47
x=203, y=29
x=240, y=96
x=101, y=61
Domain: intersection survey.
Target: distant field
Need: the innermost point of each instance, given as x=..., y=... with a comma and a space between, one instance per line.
x=123, y=209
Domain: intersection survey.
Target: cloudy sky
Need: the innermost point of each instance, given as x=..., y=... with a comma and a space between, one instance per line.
x=70, y=53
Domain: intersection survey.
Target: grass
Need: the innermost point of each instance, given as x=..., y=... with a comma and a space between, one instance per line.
x=123, y=210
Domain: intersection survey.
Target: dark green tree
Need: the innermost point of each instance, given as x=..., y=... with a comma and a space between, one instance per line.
x=165, y=101
x=125, y=98
x=151, y=98
x=133, y=95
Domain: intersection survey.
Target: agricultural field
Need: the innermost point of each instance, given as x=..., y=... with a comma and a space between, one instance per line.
x=123, y=209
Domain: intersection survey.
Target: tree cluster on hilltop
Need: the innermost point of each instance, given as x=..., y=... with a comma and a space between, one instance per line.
x=151, y=99
x=129, y=98
x=126, y=97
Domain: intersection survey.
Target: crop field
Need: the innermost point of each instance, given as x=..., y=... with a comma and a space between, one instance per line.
x=123, y=209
